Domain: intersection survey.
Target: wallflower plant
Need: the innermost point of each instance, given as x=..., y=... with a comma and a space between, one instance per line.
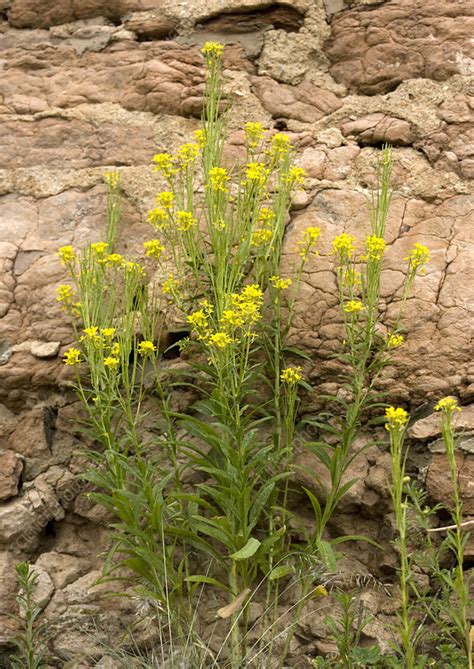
x=218, y=250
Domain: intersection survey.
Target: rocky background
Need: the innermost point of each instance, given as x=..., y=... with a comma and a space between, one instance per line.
x=92, y=85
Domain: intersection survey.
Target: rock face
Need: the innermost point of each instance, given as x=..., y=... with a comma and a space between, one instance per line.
x=93, y=85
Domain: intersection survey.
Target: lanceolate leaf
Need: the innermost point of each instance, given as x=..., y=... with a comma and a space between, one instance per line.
x=250, y=548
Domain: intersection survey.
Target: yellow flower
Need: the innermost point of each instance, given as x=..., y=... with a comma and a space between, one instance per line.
x=256, y=172
x=220, y=340
x=153, y=248
x=248, y=302
x=448, y=405
x=207, y=307
x=131, y=266
x=261, y=236
x=164, y=164
x=111, y=362
x=115, y=350
x=199, y=137
x=280, y=144
x=64, y=294
x=218, y=178
x=396, y=418
x=343, y=247
x=375, y=247
x=91, y=334
x=198, y=319
x=72, y=357
x=353, y=307
x=279, y=283
x=252, y=293
x=99, y=248
x=212, y=50
x=165, y=199
x=296, y=176
x=185, y=220
x=146, y=347
x=418, y=256
x=158, y=217
x=107, y=333
x=308, y=240
x=395, y=340
x=253, y=134
x=265, y=215
x=112, y=179
x=231, y=319
x=187, y=153
x=291, y=375
x=66, y=254
x=170, y=285
x=114, y=259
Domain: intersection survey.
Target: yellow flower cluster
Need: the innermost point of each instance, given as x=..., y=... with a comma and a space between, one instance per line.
x=107, y=333
x=280, y=145
x=218, y=179
x=164, y=164
x=158, y=217
x=112, y=179
x=112, y=362
x=396, y=418
x=265, y=216
x=248, y=302
x=448, y=405
x=220, y=340
x=99, y=249
x=212, y=50
x=153, y=248
x=64, y=294
x=165, y=199
x=279, y=283
x=231, y=319
x=296, y=176
x=92, y=335
x=170, y=285
x=101, y=338
x=395, y=340
x=198, y=319
x=199, y=137
x=308, y=240
x=114, y=259
x=185, y=220
x=66, y=254
x=261, y=236
x=343, y=246
x=374, y=247
x=253, y=134
x=131, y=266
x=146, y=347
x=353, y=307
x=418, y=256
x=291, y=375
x=72, y=357
x=256, y=173
x=187, y=154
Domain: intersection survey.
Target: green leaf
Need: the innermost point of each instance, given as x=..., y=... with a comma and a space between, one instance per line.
x=250, y=548
x=328, y=556
x=296, y=351
x=280, y=572
x=200, y=578
x=316, y=506
x=356, y=537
